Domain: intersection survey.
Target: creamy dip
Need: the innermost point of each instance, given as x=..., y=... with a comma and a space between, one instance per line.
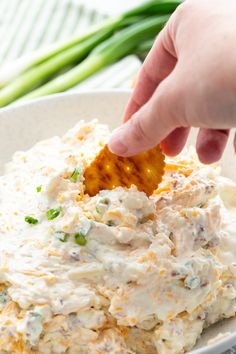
x=118, y=272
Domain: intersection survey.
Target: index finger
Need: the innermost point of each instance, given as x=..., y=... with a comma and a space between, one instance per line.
x=159, y=63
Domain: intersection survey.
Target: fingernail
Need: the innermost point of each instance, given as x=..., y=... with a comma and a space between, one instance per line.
x=116, y=144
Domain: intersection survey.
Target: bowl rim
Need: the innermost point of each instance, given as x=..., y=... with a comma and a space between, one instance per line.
x=220, y=345
x=57, y=96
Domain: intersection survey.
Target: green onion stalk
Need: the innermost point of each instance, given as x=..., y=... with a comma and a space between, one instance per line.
x=64, y=49
x=39, y=74
x=119, y=45
x=13, y=69
x=152, y=7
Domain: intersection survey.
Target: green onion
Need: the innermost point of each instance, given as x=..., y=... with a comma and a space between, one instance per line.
x=80, y=236
x=75, y=174
x=35, y=71
x=102, y=205
x=152, y=7
x=53, y=213
x=10, y=71
x=113, y=49
x=39, y=188
x=31, y=220
x=33, y=60
x=63, y=237
x=47, y=69
x=80, y=239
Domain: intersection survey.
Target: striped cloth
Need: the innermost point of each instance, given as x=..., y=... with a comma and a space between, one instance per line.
x=26, y=25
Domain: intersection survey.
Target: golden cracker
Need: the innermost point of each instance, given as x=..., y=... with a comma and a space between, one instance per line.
x=108, y=171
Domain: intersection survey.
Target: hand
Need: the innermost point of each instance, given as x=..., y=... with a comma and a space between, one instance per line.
x=187, y=80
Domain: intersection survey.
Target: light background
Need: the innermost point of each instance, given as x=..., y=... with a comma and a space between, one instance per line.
x=26, y=25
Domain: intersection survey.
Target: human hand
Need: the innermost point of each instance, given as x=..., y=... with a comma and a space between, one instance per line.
x=187, y=80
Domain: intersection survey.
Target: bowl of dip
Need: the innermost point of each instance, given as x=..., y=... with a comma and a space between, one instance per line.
x=24, y=125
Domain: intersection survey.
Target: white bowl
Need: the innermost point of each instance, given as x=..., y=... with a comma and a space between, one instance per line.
x=23, y=125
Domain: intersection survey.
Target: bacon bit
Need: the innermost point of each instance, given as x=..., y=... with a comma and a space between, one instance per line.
x=183, y=314
x=124, y=331
x=147, y=218
x=204, y=284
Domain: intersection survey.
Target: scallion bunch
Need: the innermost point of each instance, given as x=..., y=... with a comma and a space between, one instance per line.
x=64, y=65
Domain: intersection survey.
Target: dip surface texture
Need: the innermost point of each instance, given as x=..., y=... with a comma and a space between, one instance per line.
x=118, y=272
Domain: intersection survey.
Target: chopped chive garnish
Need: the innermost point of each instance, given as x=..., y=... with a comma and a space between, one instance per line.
x=102, y=205
x=80, y=236
x=98, y=210
x=74, y=175
x=64, y=238
x=39, y=188
x=31, y=220
x=53, y=213
x=80, y=239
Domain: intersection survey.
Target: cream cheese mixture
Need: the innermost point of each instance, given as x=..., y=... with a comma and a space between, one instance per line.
x=118, y=272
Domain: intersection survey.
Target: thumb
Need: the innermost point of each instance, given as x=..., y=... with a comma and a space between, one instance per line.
x=152, y=123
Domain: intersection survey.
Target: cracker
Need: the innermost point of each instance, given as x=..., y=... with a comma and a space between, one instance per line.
x=108, y=171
